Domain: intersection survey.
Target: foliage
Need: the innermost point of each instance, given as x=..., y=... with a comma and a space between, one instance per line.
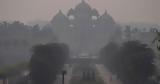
x=46, y=62
x=108, y=54
x=133, y=63
x=16, y=39
x=13, y=69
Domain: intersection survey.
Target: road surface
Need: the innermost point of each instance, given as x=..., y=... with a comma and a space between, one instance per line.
x=106, y=75
x=68, y=76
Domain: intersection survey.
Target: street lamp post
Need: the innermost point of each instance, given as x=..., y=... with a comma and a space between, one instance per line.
x=63, y=74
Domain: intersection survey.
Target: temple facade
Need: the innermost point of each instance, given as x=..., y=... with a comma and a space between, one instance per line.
x=84, y=29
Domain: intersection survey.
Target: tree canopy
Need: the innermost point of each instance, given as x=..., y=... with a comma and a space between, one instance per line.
x=133, y=63
x=46, y=61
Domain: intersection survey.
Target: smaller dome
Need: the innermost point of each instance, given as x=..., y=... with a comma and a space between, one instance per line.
x=107, y=17
x=59, y=17
x=70, y=12
x=95, y=12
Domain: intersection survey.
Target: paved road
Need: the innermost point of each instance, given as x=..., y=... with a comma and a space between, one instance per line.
x=106, y=75
x=68, y=76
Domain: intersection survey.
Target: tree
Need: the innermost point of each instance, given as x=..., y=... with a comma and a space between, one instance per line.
x=134, y=63
x=107, y=54
x=46, y=62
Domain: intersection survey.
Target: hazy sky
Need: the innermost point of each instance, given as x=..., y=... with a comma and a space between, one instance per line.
x=121, y=10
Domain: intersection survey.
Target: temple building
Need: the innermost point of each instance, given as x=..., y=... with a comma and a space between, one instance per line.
x=84, y=29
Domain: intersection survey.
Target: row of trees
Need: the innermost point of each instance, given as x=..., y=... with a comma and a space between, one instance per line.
x=132, y=62
x=17, y=38
x=132, y=29
x=47, y=60
x=17, y=32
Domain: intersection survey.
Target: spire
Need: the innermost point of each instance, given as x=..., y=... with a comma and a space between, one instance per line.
x=105, y=13
x=60, y=12
x=107, y=17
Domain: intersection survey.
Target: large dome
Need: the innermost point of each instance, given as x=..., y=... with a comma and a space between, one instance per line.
x=83, y=6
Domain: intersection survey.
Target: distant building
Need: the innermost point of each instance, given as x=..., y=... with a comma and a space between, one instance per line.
x=84, y=29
